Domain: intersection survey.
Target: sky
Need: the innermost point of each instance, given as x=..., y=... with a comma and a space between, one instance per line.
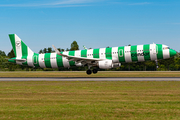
x=93, y=23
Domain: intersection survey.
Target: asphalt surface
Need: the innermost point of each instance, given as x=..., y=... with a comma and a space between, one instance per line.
x=91, y=79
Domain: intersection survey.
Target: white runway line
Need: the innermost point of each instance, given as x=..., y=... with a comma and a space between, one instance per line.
x=90, y=79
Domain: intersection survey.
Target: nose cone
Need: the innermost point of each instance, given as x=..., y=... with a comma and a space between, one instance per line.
x=172, y=52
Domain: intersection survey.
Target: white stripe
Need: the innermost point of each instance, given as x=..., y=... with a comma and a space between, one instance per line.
x=78, y=54
x=165, y=52
x=153, y=54
x=127, y=50
x=53, y=60
x=65, y=60
x=90, y=53
x=140, y=55
x=41, y=61
x=102, y=53
x=30, y=61
x=115, y=54
x=30, y=58
x=18, y=47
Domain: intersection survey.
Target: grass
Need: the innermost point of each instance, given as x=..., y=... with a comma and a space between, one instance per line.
x=130, y=100
x=99, y=74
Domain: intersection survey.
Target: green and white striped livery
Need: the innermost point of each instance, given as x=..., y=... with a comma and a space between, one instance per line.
x=103, y=58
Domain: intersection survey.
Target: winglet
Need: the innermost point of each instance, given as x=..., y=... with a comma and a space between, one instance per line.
x=85, y=47
x=58, y=52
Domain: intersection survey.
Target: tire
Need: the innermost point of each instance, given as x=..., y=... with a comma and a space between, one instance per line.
x=95, y=71
x=88, y=72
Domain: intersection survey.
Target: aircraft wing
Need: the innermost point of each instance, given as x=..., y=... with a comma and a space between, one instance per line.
x=76, y=58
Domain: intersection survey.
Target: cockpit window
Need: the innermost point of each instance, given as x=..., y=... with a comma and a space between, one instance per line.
x=166, y=48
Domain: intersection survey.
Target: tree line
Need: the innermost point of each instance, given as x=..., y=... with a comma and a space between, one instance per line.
x=171, y=64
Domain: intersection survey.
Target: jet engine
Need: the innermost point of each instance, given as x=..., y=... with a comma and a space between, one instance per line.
x=108, y=64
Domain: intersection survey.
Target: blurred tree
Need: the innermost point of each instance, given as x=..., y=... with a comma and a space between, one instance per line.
x=40, y=52
x=2, y=53
x=11, y=54
x=74, y=46
x=49, y=50
x=44, y=50
x=67, y=49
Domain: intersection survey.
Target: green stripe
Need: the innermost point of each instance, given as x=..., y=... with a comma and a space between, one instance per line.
x=12, y=61
x=134, y=53
x=36, y=60
x=47, y=60
x=72, y=53
x=146, y=49
x=160, y=52
x=24, y=57
x=96, y=53
x=83, y=53
x=24, y=49
x=59, y=60
x=109, y=53
x=121, y=52
x=12, y=38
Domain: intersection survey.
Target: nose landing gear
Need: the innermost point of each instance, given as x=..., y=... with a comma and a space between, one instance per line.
x=156, y=64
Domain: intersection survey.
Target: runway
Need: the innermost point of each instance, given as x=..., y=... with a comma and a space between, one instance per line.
x=91, y=79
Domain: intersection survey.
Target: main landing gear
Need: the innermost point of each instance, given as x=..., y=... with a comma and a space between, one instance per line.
x=90, y=71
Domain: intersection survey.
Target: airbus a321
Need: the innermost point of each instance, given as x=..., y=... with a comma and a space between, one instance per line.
x=103, y=58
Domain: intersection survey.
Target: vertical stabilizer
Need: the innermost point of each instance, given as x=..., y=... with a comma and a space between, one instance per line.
x=19, y=47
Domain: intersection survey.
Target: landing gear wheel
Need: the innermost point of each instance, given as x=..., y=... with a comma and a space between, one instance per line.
x=95, y=71
x=89, y=72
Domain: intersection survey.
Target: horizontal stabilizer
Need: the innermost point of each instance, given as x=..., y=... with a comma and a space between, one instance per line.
x=17, y=60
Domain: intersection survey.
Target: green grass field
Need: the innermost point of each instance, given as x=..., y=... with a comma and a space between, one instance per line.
x=99, y=74
x=90, y=100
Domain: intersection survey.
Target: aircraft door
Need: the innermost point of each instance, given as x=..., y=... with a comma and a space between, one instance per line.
x=121, y=53
x=155, y=49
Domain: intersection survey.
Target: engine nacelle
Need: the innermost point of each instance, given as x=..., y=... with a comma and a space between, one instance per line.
x=115, y=65
x=108, y=64
x=78, y=64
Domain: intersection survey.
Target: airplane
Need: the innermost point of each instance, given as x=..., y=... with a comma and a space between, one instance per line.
x=103, y=58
